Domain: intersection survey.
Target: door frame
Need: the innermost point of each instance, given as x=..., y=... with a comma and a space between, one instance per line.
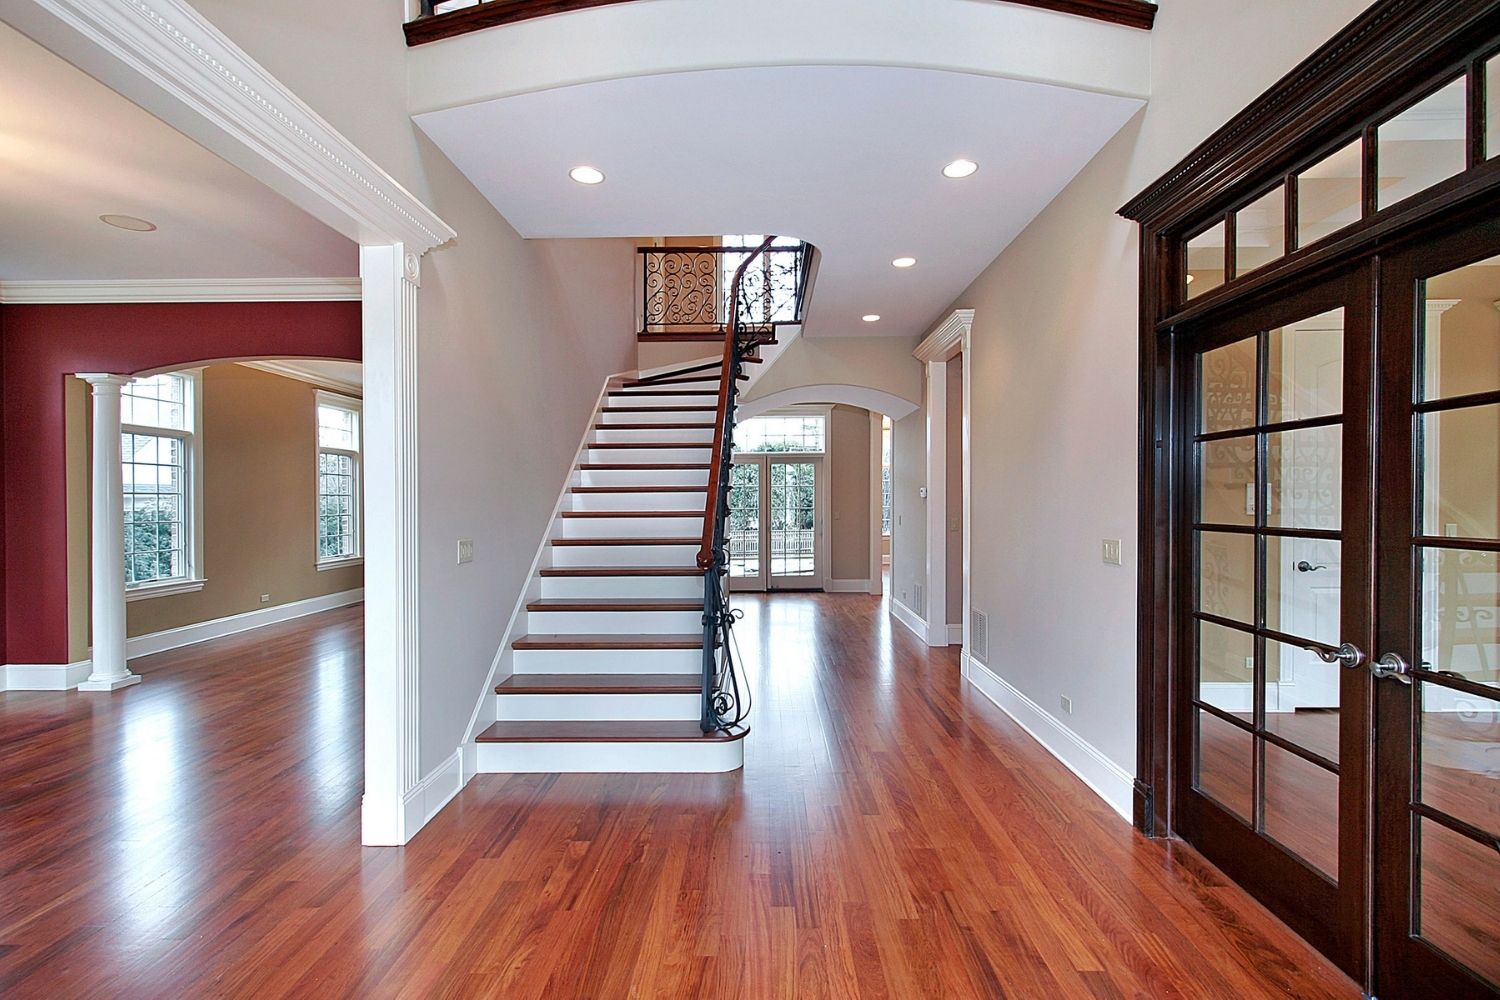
x=823, y=463
x=949, y=339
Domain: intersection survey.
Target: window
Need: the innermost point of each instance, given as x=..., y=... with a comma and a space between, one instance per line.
x=885, y=476
x=339, y=513
x=770, y=287
x=786, y=432
x=159, y=466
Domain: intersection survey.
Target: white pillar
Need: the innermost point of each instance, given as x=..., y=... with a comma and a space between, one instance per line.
x=935, y=601
x=108, y=505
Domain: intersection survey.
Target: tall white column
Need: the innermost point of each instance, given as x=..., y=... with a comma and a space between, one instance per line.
x=108, y=503
x=935, y=602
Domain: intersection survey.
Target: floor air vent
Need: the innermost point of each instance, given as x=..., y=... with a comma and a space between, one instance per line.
x=979, y=635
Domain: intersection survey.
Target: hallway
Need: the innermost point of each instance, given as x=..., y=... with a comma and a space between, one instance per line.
x=893, y=834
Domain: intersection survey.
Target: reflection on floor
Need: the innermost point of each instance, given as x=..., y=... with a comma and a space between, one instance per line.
x=893, y=834
x=1460, y=773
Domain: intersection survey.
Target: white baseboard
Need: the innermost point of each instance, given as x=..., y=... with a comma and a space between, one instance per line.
x=188, y=635
x=847, y=586
x=1109, y=781
x=955, y=634
x=433, y=792
x=906, y=616
x=1229, y=696
x=44, y=676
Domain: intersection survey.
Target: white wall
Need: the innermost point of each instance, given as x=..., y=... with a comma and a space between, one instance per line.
x=510, y=362
x=1054, y=361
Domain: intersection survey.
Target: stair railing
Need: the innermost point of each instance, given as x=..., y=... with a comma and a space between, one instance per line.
x=726, y=699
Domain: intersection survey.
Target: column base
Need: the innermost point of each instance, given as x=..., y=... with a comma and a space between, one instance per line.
x=109, y=683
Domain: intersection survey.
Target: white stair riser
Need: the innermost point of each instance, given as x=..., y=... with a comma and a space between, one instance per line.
x=624, y=555
x=687, y=588
x=608, y=661
x=614, y=622
x=645, y=477
x=596, y=707
x=690, y=523
x=611, y=758
x=695, y=416
x=697, y=455
x=634, y=398
x=706, y=381
x=654, y=434
x=640, y=501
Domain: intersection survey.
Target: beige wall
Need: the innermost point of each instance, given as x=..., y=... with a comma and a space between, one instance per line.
x=258, y=446
x=1054, y=363
x=908, y=510
x=849, y=497
x=516, y=339
x=883, y=363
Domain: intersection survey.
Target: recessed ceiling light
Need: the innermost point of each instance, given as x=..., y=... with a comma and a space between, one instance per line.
x=872, y=318
x=129, y=222
x=587, y=175
x=904, y=262
x=960, y=168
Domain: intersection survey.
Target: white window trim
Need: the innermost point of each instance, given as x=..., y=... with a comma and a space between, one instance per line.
x=353, y=403
x=192, y=439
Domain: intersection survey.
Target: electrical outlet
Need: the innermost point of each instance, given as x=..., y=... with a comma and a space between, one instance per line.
x=1250, y=664
x=1067, y=705
x=1112, y=551
x=265, y=598
x=465, y=550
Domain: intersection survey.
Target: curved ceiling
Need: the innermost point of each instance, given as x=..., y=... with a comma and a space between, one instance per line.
x=848, y=158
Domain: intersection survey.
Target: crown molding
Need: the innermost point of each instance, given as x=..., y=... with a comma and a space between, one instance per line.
x=168, y=58
x=948, y=339
x=293, y=370
x=180, y=290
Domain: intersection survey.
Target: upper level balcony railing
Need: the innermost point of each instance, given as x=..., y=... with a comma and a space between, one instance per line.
x=687, y=290
x=445, y=18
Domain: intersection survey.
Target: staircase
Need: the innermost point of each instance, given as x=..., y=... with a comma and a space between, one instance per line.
x=626, y=664
x=609, y=674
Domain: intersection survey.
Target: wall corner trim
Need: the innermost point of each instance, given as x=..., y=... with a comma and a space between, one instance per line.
x=913, y=621
x=436, y=789
x=1103, y=776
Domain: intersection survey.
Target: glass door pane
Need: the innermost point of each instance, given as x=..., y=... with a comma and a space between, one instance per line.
x=794, y=528
x=747, y=562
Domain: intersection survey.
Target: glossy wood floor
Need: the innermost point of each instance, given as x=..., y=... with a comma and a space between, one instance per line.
x=892, y=835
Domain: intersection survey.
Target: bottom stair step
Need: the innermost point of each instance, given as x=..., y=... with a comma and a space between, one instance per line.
x=607, y=747
x=648, y=731
x=519, y=684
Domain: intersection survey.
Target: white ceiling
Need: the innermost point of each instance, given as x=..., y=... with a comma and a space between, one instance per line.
x=340, y=376
x=71, y=150
x=848, y=158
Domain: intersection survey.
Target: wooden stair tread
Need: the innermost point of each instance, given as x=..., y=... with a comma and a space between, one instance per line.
x=653, y=427
x=622, y=571
x=604, y=445
x=663, y=392
x=643, y=465
x=639, y=489
x=652, y=731
x=600, y=684
x=615, y=604
x=632, y=513
x=586, y=641
x=626, y=541
x=658, y=409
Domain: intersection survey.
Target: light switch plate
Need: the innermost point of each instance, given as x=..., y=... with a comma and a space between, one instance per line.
x=465, y=550
x=1112, y=551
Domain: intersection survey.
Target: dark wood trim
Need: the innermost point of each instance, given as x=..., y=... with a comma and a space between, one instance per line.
x=576, y=571
x=1371, y=64
x=627, y=513
x=637, y=489
x=608, y=642
x=524, y=684
x=623, y=541
x=433, y=28
x=620, y=604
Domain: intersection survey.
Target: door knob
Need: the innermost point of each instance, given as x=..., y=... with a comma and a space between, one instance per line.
x=1347, y=655
x=1392, y=665
x=1306, y=567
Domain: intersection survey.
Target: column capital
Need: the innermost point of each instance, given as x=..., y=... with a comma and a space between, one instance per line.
x=99, y=379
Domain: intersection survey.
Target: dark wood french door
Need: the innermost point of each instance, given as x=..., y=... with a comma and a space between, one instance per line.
x=1337, y=555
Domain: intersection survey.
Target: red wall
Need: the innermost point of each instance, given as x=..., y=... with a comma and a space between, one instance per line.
x=41, y=347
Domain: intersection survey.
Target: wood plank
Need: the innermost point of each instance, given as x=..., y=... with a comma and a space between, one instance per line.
x=580, y=641
x=624, y=541
x=522, y=684
x=622, y=571
x=588, y=514
x=653, y=731
x=622, y=604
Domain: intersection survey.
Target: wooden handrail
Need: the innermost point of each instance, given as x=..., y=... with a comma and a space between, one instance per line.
x=726, y=386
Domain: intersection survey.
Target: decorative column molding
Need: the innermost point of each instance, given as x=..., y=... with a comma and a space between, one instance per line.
x=391, y=275
x=108, y=517
x=947, y=341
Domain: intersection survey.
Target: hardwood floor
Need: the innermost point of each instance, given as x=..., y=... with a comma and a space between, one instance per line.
x=893, y=834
